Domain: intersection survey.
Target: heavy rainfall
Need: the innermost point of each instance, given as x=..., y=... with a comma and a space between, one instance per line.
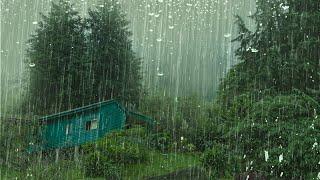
x=160, y=89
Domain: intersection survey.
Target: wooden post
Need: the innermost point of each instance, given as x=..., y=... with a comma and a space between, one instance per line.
x=40, y=157
x=76, y=154
x=57, y=155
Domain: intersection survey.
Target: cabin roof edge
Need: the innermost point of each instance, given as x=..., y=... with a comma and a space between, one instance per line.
x=76, y=110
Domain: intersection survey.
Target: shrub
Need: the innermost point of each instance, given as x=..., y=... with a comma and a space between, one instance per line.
x=161, y=141
x=216, y=160
x=125, y=152
x=17, y=136
x=189, y=117
x=122, y=147
x=98, y=165
x=64, y=169
x=279, y=126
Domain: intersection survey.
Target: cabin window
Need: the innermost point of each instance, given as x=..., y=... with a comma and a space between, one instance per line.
x=68, y=129
x=91, y=125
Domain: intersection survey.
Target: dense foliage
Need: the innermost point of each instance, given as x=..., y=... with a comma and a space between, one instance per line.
x=216, y=161
x=265, y=120
x=75, y=61
x=55, y=60
x=184, y=124
x=269, y=102
x=17, y=136
x=124, y=147
x=115, y=70
x=98, y=165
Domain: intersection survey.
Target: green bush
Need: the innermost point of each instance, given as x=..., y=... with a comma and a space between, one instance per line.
x=279, y=126
x=17, y=136
x=207, y=133
x=98, y=165
x=189, y=117
x=216, y=160
x=64, y=169
x=161, y=141
x=122, y=147
x=125, y=152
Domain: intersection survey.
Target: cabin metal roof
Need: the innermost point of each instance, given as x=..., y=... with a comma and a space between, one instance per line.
x=80, y=109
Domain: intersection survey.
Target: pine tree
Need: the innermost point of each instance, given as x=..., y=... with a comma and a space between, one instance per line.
x=283, y=52
x=269, y=101
x=55, y=60
x=114, y=68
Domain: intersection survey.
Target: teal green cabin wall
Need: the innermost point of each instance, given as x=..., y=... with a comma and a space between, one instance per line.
x=110, y=116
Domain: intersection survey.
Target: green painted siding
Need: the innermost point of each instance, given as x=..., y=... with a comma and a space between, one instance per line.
x=108, y=115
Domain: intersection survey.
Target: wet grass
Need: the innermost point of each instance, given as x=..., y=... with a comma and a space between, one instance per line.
x=160, y=164
x=7, y=173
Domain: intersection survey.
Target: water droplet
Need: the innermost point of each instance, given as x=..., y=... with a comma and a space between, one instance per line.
x=285, y=8
x=227, y=35
x=315, y=144
x=171, y=27
x=35, y=22
x=254, y=50
x=160, y=74
x=159, y=39
x=280, y=158
x=32, y=65
x=266, y=155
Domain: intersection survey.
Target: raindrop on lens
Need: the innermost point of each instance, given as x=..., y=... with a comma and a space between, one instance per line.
x=227, y=35
x=32, y=65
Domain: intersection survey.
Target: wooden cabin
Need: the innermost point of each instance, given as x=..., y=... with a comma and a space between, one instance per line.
x=85, y=124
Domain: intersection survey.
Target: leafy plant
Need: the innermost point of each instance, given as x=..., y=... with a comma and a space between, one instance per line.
x=216, y=161
x=122, y=147
x=161, y=141
x=283, y=126
x=98, y=165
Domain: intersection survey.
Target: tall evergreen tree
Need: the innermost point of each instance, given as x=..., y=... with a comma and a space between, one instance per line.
x=270, y=102
x=114, y=68
x=282, y=53
x=55, y=60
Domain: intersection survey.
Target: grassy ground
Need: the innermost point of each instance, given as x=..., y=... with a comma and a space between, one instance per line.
x=159, y=164
x=6, y=173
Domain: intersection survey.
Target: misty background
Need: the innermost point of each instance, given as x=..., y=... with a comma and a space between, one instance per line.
x=185, y=45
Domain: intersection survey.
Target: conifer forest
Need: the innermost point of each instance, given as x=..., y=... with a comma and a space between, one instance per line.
x=160, y=89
